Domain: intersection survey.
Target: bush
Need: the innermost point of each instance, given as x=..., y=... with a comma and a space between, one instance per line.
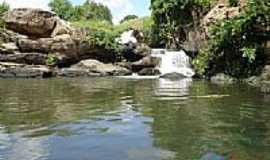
x=51, y=60
x=233, y=48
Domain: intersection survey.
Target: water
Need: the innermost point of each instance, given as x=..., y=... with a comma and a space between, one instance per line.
x=123, y=119
x=127, y=37
x=177, y=62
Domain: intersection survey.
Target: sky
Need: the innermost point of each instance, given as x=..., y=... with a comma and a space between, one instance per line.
x=119, y=8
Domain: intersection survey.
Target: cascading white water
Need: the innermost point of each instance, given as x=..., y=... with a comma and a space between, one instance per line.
x=173, y=63
x=127, y=37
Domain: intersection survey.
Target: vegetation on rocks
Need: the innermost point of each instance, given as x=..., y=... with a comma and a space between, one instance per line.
x=128, y=17
x=235, y=45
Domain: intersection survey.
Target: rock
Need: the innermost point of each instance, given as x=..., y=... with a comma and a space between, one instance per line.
x=174, y=75
x=8, y=48
x=265, y=87
x=24, y=58
x=213, y=156
x=220, y=12
x=8, y=36
x=135, y=52
x=265, y=76
x=61, y=27
x=31, y=22
x=146, y=62
x=149, y=72
x=14, y=70
x=76, y=72
x=222, y=78
x=254, y=81
x=94, y=66
x=62, y=46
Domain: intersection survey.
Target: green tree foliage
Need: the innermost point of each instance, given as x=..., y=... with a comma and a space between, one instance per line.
x=128, y=17
x=174, y=17
x=3, y=8
x=93, y=10
x=235, y=45
x=90, y=10
x=63, y=8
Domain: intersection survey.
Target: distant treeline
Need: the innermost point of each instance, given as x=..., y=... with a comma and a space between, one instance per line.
x=89, y=10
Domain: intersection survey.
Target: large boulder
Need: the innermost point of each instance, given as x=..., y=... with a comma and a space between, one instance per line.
x=146, y=62
x=63, y=46
x=135, y=52
x=31, y=22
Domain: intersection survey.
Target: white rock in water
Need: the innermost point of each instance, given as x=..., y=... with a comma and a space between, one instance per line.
x=127, y=37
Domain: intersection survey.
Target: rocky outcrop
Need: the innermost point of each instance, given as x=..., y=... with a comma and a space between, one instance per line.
x=34, y=37
x=93, y=68
x=24, y=58
x=149, y=72
x=220, y=12
x=14, y=70
x=134, y=52
x=146, y=62
x=31, y=22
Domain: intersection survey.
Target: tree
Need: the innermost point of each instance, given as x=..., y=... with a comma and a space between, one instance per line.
x=174, y=17
x=128, y=17
x=98, y=11
x=63, y=8
x=3, y=8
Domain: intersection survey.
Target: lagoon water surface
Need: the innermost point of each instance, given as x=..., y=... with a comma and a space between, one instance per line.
x=124, y=119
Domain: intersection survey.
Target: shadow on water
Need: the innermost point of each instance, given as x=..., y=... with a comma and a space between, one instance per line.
x=121, y=119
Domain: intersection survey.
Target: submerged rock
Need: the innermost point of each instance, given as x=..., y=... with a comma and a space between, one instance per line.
x=222, y=78
x=149, y=72
x=213, y=156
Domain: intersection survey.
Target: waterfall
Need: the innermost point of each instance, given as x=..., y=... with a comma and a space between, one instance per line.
x=127, y=37
x=177, y=63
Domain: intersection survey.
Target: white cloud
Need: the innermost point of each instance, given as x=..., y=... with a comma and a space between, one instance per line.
x=119, y=8
x=28, y=3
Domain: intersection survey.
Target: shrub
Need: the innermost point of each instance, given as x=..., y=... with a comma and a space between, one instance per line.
x=233, y=47
x=51, y=60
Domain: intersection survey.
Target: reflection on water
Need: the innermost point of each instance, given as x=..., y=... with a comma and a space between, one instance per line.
x=121, y=119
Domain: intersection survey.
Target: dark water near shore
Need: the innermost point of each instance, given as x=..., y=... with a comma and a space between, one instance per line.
x=118, y=119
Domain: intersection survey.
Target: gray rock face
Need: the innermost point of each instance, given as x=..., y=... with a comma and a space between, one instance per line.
x=149, y=72
x=93, y=68
x=8, y=48
x=14, y=70
x=146, y=62
x=62, y=44
x=31, y=22
x=135, y=52
x=24, y=58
